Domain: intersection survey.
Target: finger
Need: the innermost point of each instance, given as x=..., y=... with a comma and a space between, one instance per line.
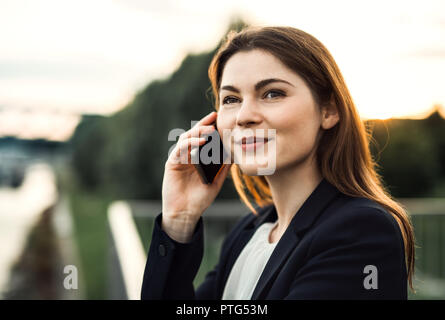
x=197, y=132
x=208, y=119
x=182, y=152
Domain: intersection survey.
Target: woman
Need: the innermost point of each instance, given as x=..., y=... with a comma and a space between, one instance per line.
x=323, y=227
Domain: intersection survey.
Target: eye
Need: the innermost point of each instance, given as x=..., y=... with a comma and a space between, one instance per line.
x=277, y=92
x=226, y=99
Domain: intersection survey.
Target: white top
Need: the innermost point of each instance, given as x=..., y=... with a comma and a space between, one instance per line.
x=250, y=265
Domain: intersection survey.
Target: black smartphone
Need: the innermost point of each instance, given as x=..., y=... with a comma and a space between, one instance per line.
x=209, y=171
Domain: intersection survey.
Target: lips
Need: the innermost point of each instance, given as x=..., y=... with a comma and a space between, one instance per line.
x=248, y=140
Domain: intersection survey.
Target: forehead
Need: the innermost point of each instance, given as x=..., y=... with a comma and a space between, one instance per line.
x=247, y=68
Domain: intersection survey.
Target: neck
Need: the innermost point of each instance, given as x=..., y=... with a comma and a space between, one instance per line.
x=290, y=187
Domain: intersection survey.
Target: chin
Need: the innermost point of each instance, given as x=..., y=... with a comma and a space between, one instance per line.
x=261, y=167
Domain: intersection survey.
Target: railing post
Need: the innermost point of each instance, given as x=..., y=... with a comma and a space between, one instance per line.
x=129, y=249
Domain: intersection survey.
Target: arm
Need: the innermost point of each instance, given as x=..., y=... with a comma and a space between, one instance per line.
x=171, y=266
x=341, y=250
x=169, y=272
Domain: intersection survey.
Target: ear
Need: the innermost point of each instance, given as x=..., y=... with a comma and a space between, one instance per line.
x=329, y=115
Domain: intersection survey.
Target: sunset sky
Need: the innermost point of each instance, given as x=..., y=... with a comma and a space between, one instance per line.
x=60, y=59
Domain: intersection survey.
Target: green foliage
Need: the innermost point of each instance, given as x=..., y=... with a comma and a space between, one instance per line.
x=89, y=212
x=88, y=141
x=409, y=157
x=410, y=154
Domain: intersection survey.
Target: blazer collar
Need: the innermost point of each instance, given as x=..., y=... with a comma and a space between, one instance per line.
x=314, y=205
x=320, y=197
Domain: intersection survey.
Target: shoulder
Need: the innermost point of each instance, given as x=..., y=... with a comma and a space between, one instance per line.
x=360, y=219
x=361, y=211
x=345, y=241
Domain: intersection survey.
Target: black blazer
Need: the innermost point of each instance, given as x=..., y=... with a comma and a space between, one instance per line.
x=322, y=254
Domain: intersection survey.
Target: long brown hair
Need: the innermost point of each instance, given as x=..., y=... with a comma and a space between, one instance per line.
x=343, y=154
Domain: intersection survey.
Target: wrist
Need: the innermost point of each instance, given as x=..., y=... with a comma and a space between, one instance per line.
x=179, y=228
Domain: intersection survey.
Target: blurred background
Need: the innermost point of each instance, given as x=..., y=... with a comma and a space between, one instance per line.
x=90, y=89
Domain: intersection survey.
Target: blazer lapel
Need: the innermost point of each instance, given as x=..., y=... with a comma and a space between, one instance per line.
x=315, y=204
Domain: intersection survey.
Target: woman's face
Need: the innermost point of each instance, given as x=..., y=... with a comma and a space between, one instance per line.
x=249, y=103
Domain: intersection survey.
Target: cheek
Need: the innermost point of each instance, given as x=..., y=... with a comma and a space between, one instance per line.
x=225, y=120
x=221, y=124
x=298, y=135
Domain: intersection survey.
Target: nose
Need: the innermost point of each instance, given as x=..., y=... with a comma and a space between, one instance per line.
x=248, y=114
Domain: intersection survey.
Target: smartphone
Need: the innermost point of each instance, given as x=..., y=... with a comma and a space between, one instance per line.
x=209, y=171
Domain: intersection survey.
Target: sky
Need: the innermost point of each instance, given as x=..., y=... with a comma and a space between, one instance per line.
x=61, y=59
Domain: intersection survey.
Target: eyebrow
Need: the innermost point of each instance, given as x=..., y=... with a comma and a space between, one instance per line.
x=258, y=85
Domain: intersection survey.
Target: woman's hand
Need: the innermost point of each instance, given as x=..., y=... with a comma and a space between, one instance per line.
x=184, y=196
